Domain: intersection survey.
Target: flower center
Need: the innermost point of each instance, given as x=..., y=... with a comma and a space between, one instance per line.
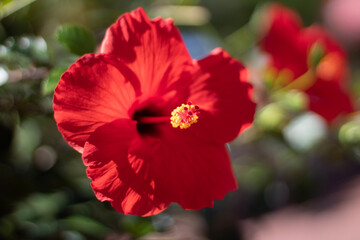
x=184, y=116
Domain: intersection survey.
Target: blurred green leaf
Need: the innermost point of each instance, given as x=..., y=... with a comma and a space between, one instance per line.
x=240, y=41
x=32, y=47
x=292, y=100
x=52, y=80
x=7, y=7
x=355, y=84
x=256, y=21
x=316, y=53
x=6, y=228
x=40, y=206
x=272, y=117
x=13, y=59
x=349, y=133
x=254, y=176
x=27, y=138
x=72, y=235
x=85, y=225
x=186, y=2
x=78, y=40
x=137, y=226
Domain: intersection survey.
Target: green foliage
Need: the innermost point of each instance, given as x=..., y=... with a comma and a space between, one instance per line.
x=78, y=40
x=85, y=225
x=40, y=206
x=137, y=226
x=254, y=176
x=349, y=133
x=356, y=82
x=52, y=80
x=8, y=7
x=27, y=137
x=272, y=117
x=316, y=53
x=24, y=51
x=292, y=100
x=240, y=41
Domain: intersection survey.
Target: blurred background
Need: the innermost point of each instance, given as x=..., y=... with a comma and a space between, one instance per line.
x=299, y=177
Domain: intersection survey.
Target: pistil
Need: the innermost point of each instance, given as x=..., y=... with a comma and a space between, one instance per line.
x=184, y=116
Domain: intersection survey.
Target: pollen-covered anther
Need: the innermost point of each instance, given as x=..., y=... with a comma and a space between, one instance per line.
x=184, y=116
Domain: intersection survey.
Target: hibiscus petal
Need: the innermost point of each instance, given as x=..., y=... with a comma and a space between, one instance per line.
x=332, y=67
x=316, y=33
x=185, y=170
x=221, y=90
x=329, y=100
x=283, y=40
x=153, y=49
x=288, y=43
x=115, y=177
x=94, y=90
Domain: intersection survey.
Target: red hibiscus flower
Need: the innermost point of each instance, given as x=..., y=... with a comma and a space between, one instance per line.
x=128, y=111
x=293, y=49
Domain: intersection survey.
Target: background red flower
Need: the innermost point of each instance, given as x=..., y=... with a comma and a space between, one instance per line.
x=289, y=45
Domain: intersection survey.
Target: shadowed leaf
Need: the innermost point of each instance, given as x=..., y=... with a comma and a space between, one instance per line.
x=78, y=40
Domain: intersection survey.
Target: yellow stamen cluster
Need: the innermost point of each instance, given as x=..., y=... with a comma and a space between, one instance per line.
x=184, y=116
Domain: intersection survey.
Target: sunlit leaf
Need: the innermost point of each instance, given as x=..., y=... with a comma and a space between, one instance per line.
x=8, y=7
x=272, y=117
x=52, y=80
x=293, y=100
x=349, y=133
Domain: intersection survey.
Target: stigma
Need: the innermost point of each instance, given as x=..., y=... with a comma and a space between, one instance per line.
x=184, y=116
